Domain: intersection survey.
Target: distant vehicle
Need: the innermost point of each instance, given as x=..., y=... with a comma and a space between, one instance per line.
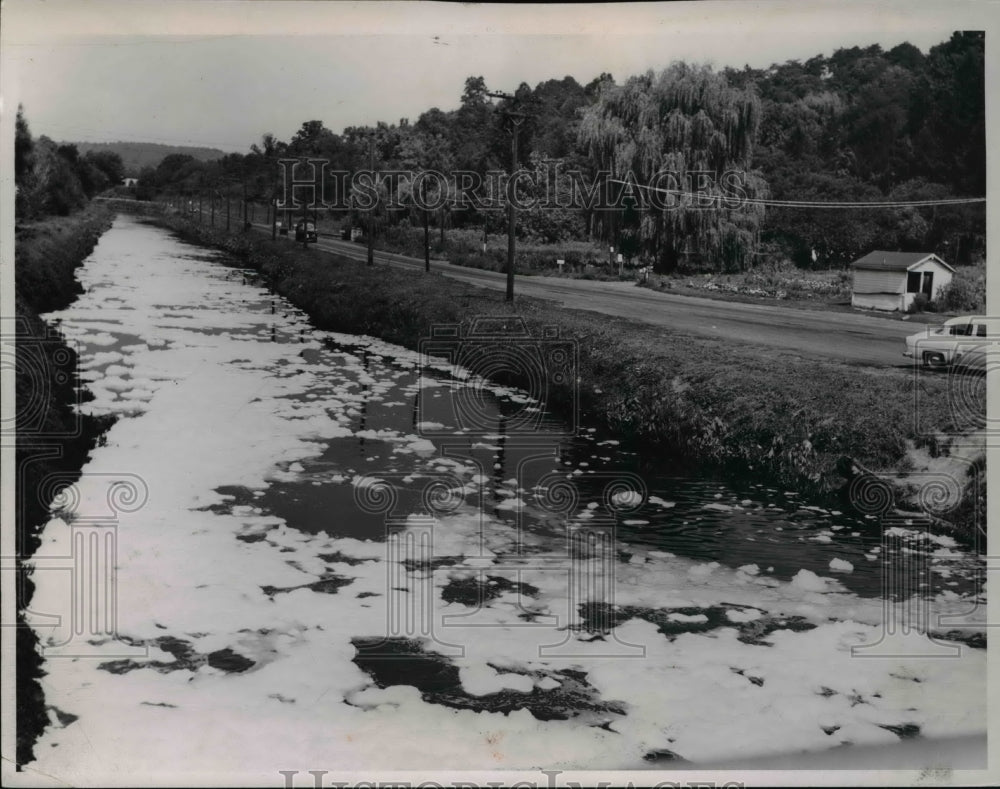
x=961, y=342
x=282, y=228
x=306, y=231
x=357, y=234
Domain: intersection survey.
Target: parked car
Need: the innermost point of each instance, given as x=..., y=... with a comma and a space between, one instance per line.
x=306, y=231
x=962, y=342
x=282, y=228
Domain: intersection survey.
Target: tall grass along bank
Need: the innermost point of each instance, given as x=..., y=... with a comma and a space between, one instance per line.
x=808, y=425
x=53, y=440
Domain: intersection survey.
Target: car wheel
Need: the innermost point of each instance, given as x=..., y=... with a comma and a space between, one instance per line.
x=934, y=359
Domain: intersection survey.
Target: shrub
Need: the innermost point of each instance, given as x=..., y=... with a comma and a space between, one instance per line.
x=920, y=303
x=966, y=292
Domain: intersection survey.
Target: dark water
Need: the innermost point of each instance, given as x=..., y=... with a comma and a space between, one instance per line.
x=516, y=446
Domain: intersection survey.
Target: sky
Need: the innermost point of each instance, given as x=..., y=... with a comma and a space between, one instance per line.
x=220, y=73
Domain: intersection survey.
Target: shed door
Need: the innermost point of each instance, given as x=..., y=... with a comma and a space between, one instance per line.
x=928, y=286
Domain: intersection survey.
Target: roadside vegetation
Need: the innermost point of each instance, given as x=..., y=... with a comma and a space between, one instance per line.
x=464, y=247
x=780, y=281
x=966, y=293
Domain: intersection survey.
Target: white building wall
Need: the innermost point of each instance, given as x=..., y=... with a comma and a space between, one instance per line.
x=867, y=281
x=879, y=301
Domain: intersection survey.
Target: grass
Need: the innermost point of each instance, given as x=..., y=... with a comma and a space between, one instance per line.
x=51, y=438
x=747, y=410
x=47, y=253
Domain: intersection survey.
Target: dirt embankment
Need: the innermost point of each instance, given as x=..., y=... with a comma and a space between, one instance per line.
x=53, y=441
x=809, y=425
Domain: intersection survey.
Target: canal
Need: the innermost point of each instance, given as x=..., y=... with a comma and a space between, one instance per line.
x=320, y=550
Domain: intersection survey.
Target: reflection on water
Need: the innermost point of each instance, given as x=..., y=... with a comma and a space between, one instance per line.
x=736, y=523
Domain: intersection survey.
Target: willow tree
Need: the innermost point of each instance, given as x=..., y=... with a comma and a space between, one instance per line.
x=686, y=130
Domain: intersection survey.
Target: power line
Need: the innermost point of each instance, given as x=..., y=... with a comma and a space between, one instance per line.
x=810, y=203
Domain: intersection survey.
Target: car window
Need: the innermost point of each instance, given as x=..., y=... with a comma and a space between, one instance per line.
x=960, y=329
x=980, y=329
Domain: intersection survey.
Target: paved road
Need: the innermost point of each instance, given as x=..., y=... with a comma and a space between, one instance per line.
x=843, y=336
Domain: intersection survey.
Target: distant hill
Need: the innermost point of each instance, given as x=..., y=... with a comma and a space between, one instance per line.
x=136, y=155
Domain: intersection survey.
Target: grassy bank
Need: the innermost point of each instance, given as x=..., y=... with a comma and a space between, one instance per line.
x=51, y=438
x=745, y=409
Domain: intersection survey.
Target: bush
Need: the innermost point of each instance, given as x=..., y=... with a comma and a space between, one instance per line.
x=966, y=292
x=920, y=303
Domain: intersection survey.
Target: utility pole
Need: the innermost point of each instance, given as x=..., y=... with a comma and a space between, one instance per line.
x=511, y=219
x=274, y=218
x=371, y=213
x=427, y=227
x=227, y=211
x=514, y=120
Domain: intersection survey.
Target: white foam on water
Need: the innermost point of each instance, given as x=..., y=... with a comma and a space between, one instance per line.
x=224, y=406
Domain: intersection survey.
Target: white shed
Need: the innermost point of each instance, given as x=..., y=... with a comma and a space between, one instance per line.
x=890, y=280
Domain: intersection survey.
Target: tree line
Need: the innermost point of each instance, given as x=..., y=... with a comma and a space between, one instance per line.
x=861, y=125
x=52, y=179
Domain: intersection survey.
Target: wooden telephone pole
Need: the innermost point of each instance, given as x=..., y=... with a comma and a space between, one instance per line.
x=371, y=214
x=514, y=120
x=427, y=227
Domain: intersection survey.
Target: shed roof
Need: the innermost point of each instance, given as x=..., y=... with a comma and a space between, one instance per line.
x=879, y=260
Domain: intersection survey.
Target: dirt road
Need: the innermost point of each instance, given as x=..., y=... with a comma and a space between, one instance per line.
x=846, y=337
